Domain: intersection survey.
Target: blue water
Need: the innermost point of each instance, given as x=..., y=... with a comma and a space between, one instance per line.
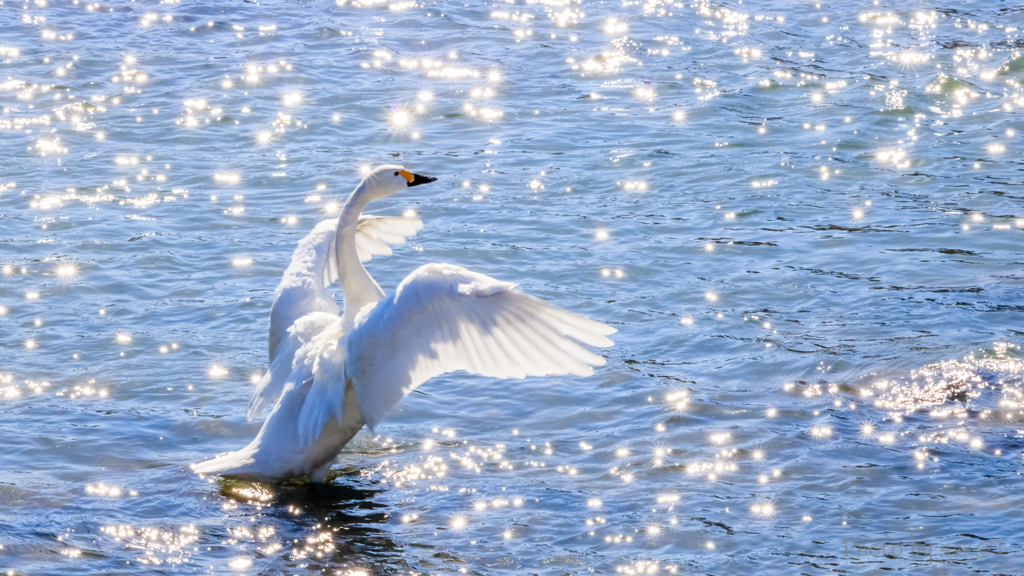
x=804, y=220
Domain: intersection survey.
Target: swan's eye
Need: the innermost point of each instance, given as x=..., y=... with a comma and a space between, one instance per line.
x=396, y=172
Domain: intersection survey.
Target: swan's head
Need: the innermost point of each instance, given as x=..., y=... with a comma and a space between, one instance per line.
x=385, y=180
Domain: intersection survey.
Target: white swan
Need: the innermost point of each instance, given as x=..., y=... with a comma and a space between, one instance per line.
x=350, y=370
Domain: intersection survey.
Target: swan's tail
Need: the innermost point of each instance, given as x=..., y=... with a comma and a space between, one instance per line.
x=239, y=463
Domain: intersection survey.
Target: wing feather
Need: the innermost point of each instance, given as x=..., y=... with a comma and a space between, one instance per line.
x=472, y=340
x=509, y=351
x=490, y=352
x=576, y=352
x=282, y=369
x=325, y=399
x=545, y=348
x=445, y=318
x=376, y=234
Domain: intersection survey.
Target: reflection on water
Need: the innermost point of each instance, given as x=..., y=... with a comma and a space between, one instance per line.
x=339, y=522
x=803, y=220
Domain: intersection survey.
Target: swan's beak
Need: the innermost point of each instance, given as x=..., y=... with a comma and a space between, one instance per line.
x=417, y=179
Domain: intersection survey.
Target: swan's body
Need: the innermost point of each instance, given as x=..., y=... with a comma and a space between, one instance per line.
x=332, y=374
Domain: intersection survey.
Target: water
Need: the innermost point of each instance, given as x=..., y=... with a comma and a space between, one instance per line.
x=803, y=219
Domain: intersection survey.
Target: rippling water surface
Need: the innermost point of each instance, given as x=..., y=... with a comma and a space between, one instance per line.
x=804, y=220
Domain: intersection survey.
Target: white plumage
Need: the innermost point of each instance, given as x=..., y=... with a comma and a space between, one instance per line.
x=329, y=374
x=444, y=318
x=303, y=287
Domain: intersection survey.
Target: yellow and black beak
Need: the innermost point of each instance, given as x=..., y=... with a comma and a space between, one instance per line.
x=416, y=179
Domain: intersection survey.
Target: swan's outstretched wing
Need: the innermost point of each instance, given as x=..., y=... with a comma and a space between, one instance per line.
x=314, y=267
x=445, y=318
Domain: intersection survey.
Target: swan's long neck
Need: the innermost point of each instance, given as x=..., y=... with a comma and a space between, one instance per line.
x=357, y=286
